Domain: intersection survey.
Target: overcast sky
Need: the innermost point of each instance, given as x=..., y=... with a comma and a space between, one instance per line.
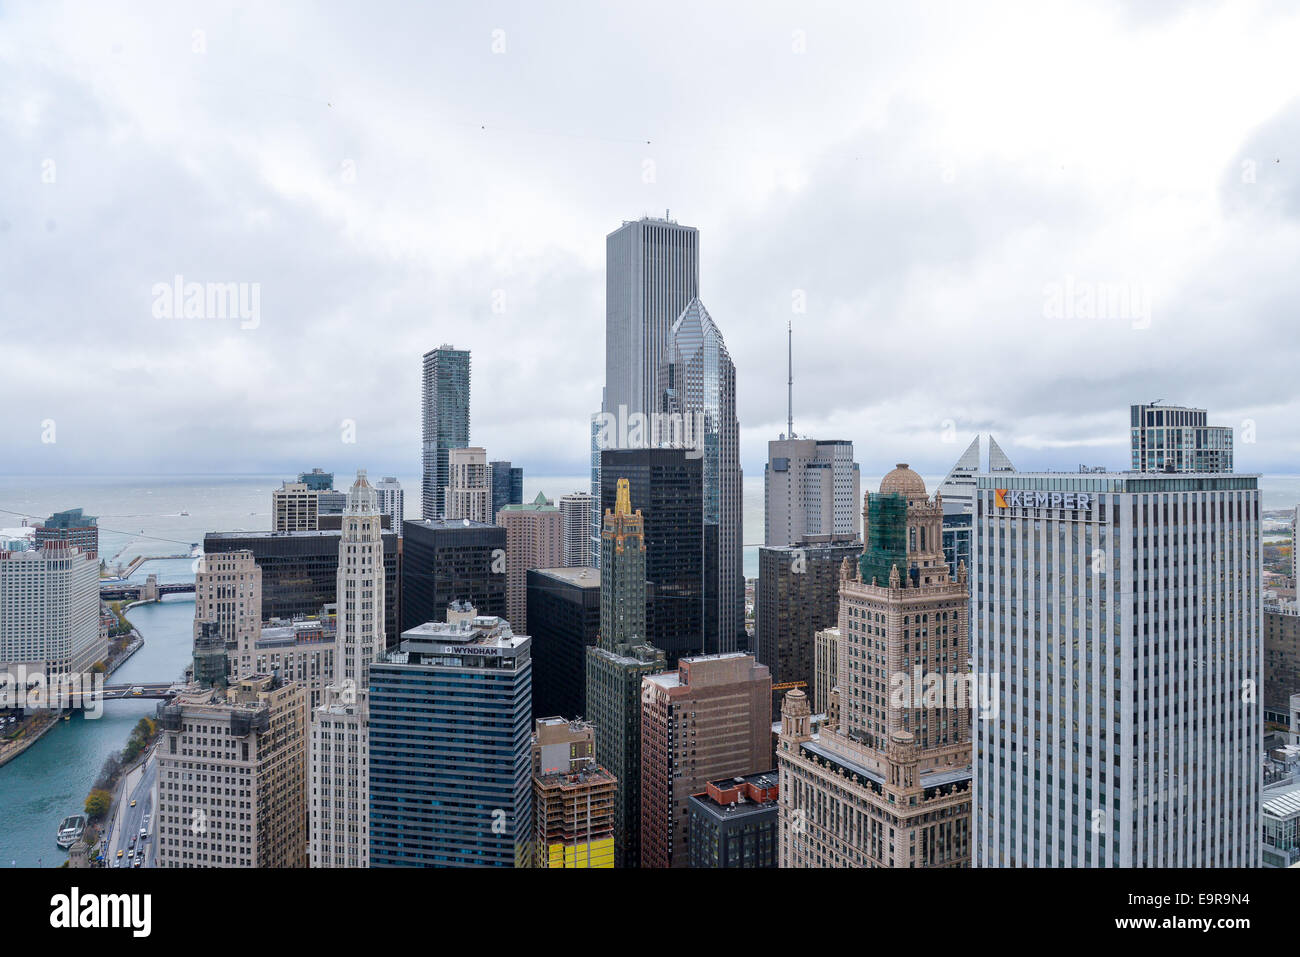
x=1018, y=218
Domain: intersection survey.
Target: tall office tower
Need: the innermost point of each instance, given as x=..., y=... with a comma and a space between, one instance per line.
x=887, y=783
x=652, y=271
x=735, y=822
x=300, y=571
x=811, y=491
x=958, y=493
x=667, y=486
x=392, y=502
x=1122, y=614
x=597, y=517
x=576, y=509
x=798, y=594
x=1295, y=552
x=709, y=719
x=1281, y=659
x=573, y=797
x=228, y=594
x=468, y=494
x=617, y=664
x=826, y=668
x=247, y=745
x=507, y=483
x=534, y=539
x=294, y=508
x=49, y=610
x=445, y=422
x=1173, y=438
x=453, y=702
x=564, y=608
x=339, y=733
x=74, y=527
x=697, y=381
x=452, y=561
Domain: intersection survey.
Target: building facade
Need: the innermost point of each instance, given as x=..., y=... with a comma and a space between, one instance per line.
x=469, y=493
x=1173, y=438
x=564, y=607
x=49, y=610
x=448, y=561
x=573, y=797
x=392, y=502
x=444, y=422
x=450, y=748
x=534, y=539
x=1122, y=735
x=576, y=508
x=228, y=594
x=709, y=719
x=811, y=490
x=507, y=483
x=1281, y=659
x=887, y=781
x=74, y=527
x=735, y=822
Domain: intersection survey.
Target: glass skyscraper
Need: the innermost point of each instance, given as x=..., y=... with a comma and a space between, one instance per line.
x=445, y=418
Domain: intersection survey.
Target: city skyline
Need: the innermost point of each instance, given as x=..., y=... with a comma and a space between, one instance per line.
x=1035, y=247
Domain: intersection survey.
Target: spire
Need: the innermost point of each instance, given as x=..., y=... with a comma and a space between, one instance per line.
x=789, y=360
x=998, y=461
x=623, y=499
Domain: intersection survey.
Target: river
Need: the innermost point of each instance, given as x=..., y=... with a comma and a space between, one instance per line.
x=51, y=780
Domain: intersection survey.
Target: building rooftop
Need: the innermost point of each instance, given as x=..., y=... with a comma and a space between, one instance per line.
x=1282, y=800
x=577, y=575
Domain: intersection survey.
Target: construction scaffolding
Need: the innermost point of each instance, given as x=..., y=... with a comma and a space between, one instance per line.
x=886, y=538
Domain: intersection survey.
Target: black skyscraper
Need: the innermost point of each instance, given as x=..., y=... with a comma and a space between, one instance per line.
x=451, y=560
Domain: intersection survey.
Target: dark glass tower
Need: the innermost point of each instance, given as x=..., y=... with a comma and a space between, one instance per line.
x=507, y=486
x=445, y=420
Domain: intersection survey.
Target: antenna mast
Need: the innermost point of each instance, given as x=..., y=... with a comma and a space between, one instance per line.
x=789, y=399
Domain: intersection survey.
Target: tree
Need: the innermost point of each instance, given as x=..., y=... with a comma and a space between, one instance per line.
x=97, y=803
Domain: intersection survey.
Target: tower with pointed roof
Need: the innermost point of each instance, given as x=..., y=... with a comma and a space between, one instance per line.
x=896, y=757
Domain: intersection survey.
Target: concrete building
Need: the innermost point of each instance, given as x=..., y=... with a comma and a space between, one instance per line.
x=697, y=385
x=1122, y=736
x=887, y=781
x=573, y=797
x=507, y=482
x=301, y=651
x=447, y=561
x=735, y=822
x=1281, y=659
x=564, y=608
x=232, y=776
x=534, y=539
x=1174, y=438
x=811, y=491
x=228, y=594
x=445, y=422
x=74, y=527
x=575, y=508
x=339, y=828
x=709, y=719
x=392, y=502
x=300, y=570
x=826, y=667
x=617, y=664
x=798, y=594
x=450, y=762
x=49, y=610
x=295, y=508
x=469, y=493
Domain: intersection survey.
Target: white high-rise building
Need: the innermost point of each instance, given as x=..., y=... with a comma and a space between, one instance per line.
x=228, y=591
x=1120, y=617
x=811, y=488
x=49, y=610
x=340, y=770
x=392, y=501
x=469, y=489
x=576, y=508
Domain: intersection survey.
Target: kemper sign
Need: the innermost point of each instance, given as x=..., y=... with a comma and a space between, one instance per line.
x=1017, y=498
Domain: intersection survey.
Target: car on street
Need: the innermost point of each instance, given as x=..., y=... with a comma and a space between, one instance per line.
x=120, y=852
x=132, y=802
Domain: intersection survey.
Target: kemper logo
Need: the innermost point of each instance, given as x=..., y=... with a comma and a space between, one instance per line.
x=1016, y=498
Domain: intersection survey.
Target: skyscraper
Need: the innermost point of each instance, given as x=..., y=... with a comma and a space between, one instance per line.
x=507, y=483
x=1122, y=614
x=616, y=666
x=811, y=489
x=652, y=271
x=445, y=418
x=698, y=383
x=709, y=719
x=49, y=610
x=564, y=608
x=450, y=749
x=1174, y=438
x=534, y=539
x=74, y=527
x=452, y=561
x=576, y=508
x=887, y=783
x=573, y=797
x=392, y=502
x=468, y=494
x=228, y=595
x=667, y=487
x=339, y=736
x=958, y=493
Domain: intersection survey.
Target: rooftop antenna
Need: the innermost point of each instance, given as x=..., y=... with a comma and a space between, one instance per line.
x=789, y=399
